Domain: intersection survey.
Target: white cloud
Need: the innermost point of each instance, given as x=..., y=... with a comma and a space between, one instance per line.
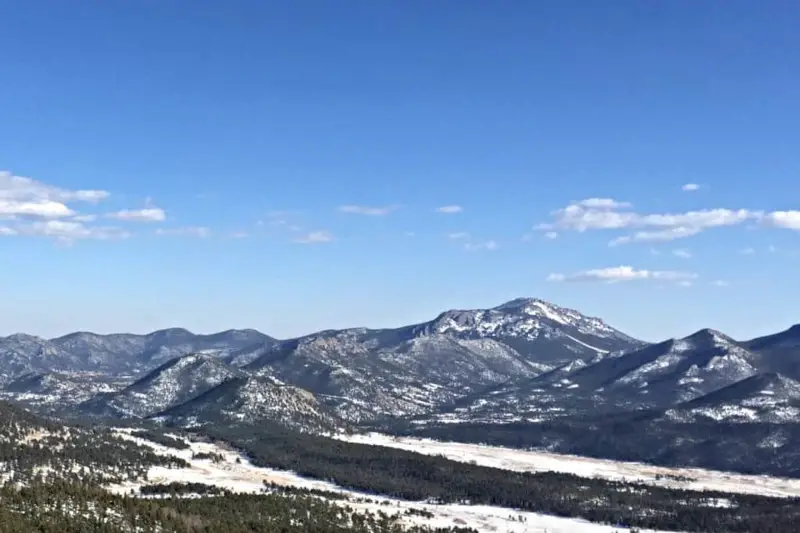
x=315, y=237
x=367, y=210
x=39, y=208
x=450, y=209
x=703, y=219
x=783, y=219
x=187, y=231
x=23, y=189
x=84, y=218
x=239, y=235
x=682, y=252
x=480, y=246
x=147, y=214
x=579, y=218
x=551, y=235
x=608, y=214
x=747, y=251
x=69, y=231
x=689, y=187
x=656, y=236
x=719, y=283
x=603, y=203
x=622, y=273
x=472, y=246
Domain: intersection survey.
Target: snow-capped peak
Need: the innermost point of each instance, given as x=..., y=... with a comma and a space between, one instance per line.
x=528, y=324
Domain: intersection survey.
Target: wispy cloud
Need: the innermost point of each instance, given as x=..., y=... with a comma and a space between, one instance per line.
x=37, y=209
x=470, y=245
x=367, y=210
x=720, y=283
x=68, y=231
x=186, y=231
x=622, y=273
x=551, y=235
x=147, y=214
x=22, y=189
x=315, y=237
x=747, y=251
x=682, y=253
x=689, y=187
x=481, y=246
x=28, y=198
x=664, y=235
x=608, y=214
x=450, y=209
x=603, y=203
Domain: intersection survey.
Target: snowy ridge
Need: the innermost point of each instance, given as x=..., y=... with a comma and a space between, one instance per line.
x=768, y=397
x=364, y=374
x=253, y=400
x=114, y=354
x=173, y=383
x=537, y=329
x=52, y=389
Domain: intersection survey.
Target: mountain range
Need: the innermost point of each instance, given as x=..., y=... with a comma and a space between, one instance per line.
x=526, y=362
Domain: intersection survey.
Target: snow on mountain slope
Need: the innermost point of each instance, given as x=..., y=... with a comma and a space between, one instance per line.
x=171, y=384
x=779, y=352
x=539, y=330
x=764, y=398
x=59, y=390
x=365, y=374
x=674, y=371
x=253, y=400
x=655, y=376
x=114, y=353
x=22, y=354
x=412, y=370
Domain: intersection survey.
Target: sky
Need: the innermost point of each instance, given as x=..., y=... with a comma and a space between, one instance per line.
x=297, y=166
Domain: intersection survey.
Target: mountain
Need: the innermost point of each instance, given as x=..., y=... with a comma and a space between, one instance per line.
x=673, y=371
x=22, y=354
x=779, y=352
x=367, y=374
x=364, y=374
x=115, y=354
x=252, y=401
x=173, y=383
x=540, y=331
x=655, y=376
x=54, y=391
x=764, y=398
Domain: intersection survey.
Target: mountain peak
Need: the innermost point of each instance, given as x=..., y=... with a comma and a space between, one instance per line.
x=171, y=332
x=707, y=337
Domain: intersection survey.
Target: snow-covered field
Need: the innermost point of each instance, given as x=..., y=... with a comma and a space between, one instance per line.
x=237, y=474
x=539, y=461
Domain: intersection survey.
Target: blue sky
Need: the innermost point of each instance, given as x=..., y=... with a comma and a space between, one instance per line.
x=294, y=166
